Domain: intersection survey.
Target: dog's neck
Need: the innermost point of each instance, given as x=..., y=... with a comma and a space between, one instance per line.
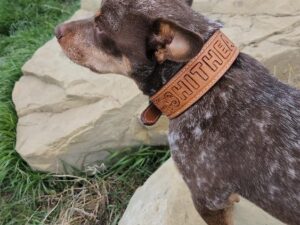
x=152, y=77
x=150, y=81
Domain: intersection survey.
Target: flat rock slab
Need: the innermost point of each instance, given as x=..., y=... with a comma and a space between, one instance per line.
x=165, y=200
x=69, y=115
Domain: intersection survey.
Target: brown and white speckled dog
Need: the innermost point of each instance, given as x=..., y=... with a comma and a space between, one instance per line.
x=241, y=138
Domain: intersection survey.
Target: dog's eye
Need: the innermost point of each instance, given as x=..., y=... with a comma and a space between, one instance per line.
x=98, y=25
x=99, y=31
x=106, y=43
x=100, y=35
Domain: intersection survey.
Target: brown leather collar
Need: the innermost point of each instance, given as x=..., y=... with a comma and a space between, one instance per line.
x=193, y=80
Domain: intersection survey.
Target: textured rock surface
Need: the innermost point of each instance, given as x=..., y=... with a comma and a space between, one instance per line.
x=90, y=5
x=165, y=200
x=267, y=30
x=67, y=113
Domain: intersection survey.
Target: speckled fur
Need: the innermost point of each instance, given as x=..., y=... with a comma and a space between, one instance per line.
x=242, y=137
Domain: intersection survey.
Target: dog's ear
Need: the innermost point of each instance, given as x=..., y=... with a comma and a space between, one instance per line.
x=189, y=2
x=173, y=42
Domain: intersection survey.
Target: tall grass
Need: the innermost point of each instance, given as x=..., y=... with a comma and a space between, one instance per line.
x=24, y=26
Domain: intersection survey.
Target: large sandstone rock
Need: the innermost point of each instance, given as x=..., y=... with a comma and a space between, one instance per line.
x=90, y=5
x=231, y=7
x=69, y=114
x=165, y=200
x=267, y=30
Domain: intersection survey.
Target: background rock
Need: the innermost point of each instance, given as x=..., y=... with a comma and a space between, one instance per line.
x=68, y=113
x=165, y=200
x=269, y=31
x=90, y=5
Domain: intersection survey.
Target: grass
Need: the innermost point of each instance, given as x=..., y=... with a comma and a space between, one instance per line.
x=29, y=197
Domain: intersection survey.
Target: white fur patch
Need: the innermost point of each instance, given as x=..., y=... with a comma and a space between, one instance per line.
x=197, y=132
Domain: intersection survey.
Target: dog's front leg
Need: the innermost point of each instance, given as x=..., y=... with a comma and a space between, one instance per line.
x=220, y=216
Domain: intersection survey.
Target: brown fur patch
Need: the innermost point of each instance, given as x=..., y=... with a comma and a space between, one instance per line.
x=166, y=32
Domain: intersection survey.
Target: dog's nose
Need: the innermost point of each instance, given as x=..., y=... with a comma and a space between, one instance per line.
x=59, y=31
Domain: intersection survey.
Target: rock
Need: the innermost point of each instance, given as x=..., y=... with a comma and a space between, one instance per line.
x=70, y=116
x=164, y=199
x=230, y=7
x=90, y=5
x=269, y=31
x=253, y=7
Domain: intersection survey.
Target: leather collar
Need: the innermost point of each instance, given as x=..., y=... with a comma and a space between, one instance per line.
x=194, y=80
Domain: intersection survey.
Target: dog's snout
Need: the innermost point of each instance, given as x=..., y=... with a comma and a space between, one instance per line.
x=59, y=31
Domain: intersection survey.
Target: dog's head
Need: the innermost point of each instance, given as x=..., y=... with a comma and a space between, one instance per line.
x=126, y=35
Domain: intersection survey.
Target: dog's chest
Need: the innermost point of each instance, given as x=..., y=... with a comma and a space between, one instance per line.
x=188, y=145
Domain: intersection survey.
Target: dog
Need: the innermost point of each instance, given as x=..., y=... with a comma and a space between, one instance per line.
x=242, y=138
